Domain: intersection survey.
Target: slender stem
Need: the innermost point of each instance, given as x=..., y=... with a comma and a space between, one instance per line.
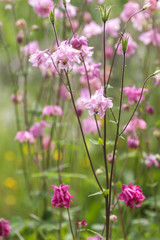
x=70, y=223
x=152, y=75
x=117, y=133
x=55, y=33
x=69, y=19
x=80, y=125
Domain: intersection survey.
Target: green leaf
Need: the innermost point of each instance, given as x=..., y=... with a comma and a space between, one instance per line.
x=94, y=141
x=98, y=234
x=106, y=192
x=111, y=121
x=100, y=141
x=55, y=175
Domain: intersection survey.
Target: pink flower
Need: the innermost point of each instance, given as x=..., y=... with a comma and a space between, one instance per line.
x=61, y=197
x=110, y=157
x=153, y=7
x=132, y=46
x=80, y=43
x=150, y=110
x=113, y=218
x=129, y=9
x=38, y=128
x=72, y=10
x=87, y=17
x=64, y=94
x=66, y=56
x=151, y=159
x=98, y=103
x=92, y=70
x=134, y=94
x=52, y=110
x=157, y=79
x=94, y=238
x=132, y=195
x=113, y=26
x=133, y=142
x=134, y=125
x=15, y=98
x=109, y=52
x=42, y=7
x=46, y=143
x=40, y=57
x=89, y=125
x=4, y=228
x=151, y=37
x=24, y=137
x=82, y=223
x=92, y=29
x=30, y=48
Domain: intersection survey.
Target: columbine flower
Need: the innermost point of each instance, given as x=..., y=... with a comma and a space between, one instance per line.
x=89, y=125
x=24, y=137
x=98, y=103
x=40, y=57
x=150, y=110
x=15, y=98
x=46, y=142
x=153, y=7
x=133, y=142
x=82, y=223
x=80, y=43
x=150, y=159
x=129, y=9
x=66, y=56
x=131, y=48
x=151, y=37
x=134, y=94
x=113, y=26
x=110, y=157
x=94, y=238
x=4, y=228
x=92, y=70
x=134, y=125
x=38, y=128
x=92, y=29
x=131, y=195
x=52, y=110
x=109, y=52
x=61, y=197
x=42, y=7
x=30, y=48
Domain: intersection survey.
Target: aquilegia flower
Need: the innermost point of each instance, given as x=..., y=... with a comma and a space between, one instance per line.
x=98, y=103
x=42, y=7
x=38, y=128
x=151, y=159
x=52, y=110
x=132, y=195
x=82, y=223
x=30, y=48
x=134, y=94
x=24, y=137
x=4, y=228
x=61, y=197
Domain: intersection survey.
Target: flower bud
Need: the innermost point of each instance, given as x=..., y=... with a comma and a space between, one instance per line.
x=124, y=44
x=156, y=72
x=64, y=3
x=113, y=218
x=146, y=6
x=105, y=13
x=21, y=23
x=52, y=17
x=20, y=37
x=150, y=110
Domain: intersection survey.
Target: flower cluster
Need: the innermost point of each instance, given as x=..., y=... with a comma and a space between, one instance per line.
x=61, y=197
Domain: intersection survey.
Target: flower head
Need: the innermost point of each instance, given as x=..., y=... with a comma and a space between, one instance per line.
x=38, y=128
x=30, y=48
x=151, y=159
x=4, y=228
x=98, y=103
x=82, y=223
x=42, y=7
x=132, y=195
x=133, y=142
x=89, y=125
x=61, y=197
x=134, y=94
x=38, y=58
x=24, y=137
x=52, y=110
x=134, y=125
x=151, y=37
x=131, y=48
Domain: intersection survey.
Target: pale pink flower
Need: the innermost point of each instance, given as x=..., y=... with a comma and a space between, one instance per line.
x=47, y=143
x=153, y=7
x=61, y=197
x=52, y=110
x=133, y=142
x=72, y=10
x=21, y=23
x=92, y=29
x=94, y=238
x=4, y=228
x=80, y=43
x=98, y=103
x=64, y=94
x=38, y=128
x=40, y=57
x=15, y=98
x=129, y=9
x=24, y=137
x=82, y=223
x=113, y=26
x=131, y=48
x=87, y=17
x=66, y=56
x=151, y=159
x=157, y=79
x=110, y=157
x=30, y=48
x=132, y=195
x=151, y=37
x=109, y=52
x=134, y=125
x=134, y=93
x=42, y=7
x=80, y=102
x=92, y=70
x=89, y=125
x=113, y=218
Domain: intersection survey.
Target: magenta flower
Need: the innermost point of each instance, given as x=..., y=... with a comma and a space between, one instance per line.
x=133, y=142
x=82, y=223
x=134, y=125
x=134, y=94
x=151, y=159
x=30, y=48
x=132, y=195
x=61, y=197
x=40, y=57
x=150, y=110
x=89, y=125
x=113, y=26
x=52, y=110
x=98, y=103
x=38, y=128
x=42, y=7
x=151, y=37
x=24, y=137
x=94, y=238
x=80, y=43
x=131, y=48
x=66, y=56
x=4, y=228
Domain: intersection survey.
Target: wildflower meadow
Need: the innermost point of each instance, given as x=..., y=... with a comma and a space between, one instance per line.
x=80, y=119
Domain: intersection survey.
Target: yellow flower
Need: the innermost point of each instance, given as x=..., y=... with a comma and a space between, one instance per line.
x=9, y=156
x=11, y=183
x=57, y=155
